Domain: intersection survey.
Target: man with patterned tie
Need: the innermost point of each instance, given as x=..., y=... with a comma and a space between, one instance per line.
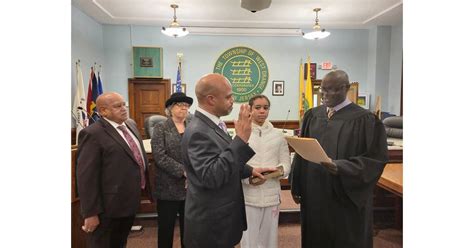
x=215, y=164
x=111, y=164
x=336, y=197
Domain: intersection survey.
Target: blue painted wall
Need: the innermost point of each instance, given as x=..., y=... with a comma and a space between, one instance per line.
x=355, y=51
x=384, y=67
x=395, y=79
x=87, y=46
x=347, y=48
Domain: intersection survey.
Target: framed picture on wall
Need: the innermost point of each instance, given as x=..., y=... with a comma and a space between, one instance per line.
x=363, y=100
x=183, y=88
x=147, y=62
x=278, y=88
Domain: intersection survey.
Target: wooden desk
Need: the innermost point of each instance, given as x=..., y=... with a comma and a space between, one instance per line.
x=392, y=178
x=392, y=181
x=395, y=154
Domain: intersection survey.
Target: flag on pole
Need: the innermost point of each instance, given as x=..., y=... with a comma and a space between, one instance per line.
x=79, y=108
x=301, y=92
x=92, y=94
x=308, y=87
x=99, y=84
x=178, y=79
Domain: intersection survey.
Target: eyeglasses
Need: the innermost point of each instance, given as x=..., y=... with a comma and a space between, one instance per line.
x=331, y=90
x=182, y=104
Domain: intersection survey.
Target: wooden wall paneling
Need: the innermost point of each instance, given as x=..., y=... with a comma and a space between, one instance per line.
x=395, y=156
x=73, y=136
x=147, y=204
x=78, y=237
x=74, y=194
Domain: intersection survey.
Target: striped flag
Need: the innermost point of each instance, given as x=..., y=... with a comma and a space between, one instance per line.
x=79, y=108
x=92, y=94
x=99, y=84
x=178, y=79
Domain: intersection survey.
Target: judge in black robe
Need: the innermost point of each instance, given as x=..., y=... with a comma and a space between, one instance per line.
x=336, y=198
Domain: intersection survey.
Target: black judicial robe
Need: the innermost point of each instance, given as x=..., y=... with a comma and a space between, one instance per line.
x=336, y=210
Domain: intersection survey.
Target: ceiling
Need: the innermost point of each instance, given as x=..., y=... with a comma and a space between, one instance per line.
x=220, y=16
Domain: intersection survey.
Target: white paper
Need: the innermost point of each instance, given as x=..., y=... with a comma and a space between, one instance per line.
x=309, y=149
x=147, y=145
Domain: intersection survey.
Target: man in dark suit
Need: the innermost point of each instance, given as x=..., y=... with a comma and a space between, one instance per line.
x=215, y=165
x=111, y=164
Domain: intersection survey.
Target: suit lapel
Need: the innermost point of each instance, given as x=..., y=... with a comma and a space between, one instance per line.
x=133, y=129
x=111, y=131
x=223, y=134
x=213, y=126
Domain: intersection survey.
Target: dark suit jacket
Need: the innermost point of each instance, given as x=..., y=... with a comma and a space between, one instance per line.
x=166, y=147
x=215, y=165
x=108, y=176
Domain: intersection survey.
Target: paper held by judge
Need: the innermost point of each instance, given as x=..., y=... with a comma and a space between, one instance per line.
x=309, y=149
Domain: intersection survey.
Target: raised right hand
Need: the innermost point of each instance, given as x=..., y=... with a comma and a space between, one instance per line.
x=243, y=126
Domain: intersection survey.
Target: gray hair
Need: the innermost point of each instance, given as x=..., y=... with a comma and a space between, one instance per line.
x=168, y=110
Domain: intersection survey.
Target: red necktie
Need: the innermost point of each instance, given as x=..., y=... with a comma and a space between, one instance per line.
x=136, y=153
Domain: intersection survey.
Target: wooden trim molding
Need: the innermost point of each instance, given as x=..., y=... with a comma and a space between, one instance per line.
x=289, y=124
x=74, y=195
x=73, y=136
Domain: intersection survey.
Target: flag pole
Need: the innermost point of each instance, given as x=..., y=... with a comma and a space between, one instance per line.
x=301, y=92
x=179, y=73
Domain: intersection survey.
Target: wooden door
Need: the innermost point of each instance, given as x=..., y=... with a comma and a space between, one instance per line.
x=147, y=97
x=316, y=92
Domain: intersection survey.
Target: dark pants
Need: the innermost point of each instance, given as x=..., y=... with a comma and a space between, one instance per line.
x=167, y=211
x=111, y=233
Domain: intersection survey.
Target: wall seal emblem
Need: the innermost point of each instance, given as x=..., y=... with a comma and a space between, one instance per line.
x=245, y=69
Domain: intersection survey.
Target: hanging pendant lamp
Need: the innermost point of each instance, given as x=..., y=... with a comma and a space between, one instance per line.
x=317, y=32
x=175, y=30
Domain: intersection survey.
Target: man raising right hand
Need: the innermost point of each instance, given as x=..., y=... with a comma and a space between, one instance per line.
x=215, y=164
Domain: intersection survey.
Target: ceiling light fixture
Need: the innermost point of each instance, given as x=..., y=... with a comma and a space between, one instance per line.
x=174, y=30
x=317, y=32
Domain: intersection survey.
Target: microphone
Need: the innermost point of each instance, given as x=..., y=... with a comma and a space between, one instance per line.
x=286, y=120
